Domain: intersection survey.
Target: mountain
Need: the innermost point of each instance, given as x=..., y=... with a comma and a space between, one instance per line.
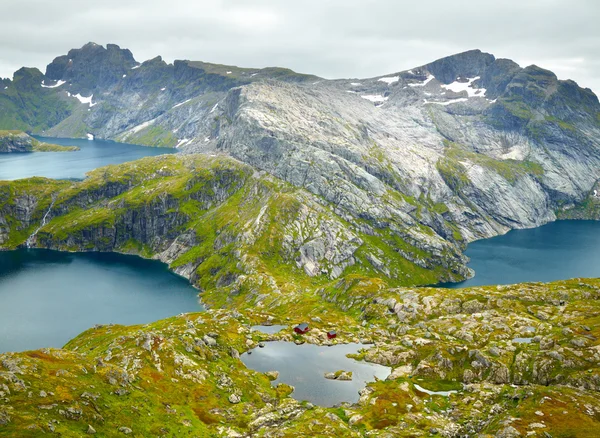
x=463, y=148
x=296, y=198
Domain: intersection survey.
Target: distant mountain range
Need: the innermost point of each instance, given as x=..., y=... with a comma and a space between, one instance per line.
x=468, y=146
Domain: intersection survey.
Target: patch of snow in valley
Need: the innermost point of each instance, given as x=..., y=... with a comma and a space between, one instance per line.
x=427, y=391
x=141, y=126
x=85, y=100
x=355, y=84
x=124, y=76
x=253, y=74
x=228, y=72
x=90, y=136
x=447, y=102
x=213, y=108
x=181, y=103
x=458, y=87
x=163, y=89
x=425, y=82
x=375, y=98
x=134, y=67
x=58, y=84
x=182, y=142
x=390, y=80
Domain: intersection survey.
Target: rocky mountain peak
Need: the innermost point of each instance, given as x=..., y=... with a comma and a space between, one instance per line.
x=92, y=66
x=467, y=64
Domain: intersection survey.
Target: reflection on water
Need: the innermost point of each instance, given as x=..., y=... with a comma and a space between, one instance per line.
x=303, y=367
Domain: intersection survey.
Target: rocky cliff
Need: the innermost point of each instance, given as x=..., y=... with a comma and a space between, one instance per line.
x=222, y=225
x=469, y=146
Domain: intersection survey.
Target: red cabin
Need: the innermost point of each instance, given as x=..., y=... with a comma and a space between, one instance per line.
x=301, y=328
x=331, y=334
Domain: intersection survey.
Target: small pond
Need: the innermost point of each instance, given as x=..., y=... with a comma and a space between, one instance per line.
x=303, y=367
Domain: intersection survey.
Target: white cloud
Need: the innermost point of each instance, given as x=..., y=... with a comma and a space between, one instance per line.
x=334, y=38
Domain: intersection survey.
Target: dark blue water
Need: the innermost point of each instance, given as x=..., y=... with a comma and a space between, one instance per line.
x=68, y=165
x=49, y=297
x=557, y=251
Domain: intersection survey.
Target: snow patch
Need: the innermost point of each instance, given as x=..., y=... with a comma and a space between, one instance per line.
x=214, y=108
x=427, y=391
x=375, y=98
x=124, y=76
x=447, y=102
x=163, y=89
x=90, y=136
x=458, y=87
x=425, y=82
x=390, y=80
x=58, y=84
x=85, y=100
x=134, y=67
x=356, y=84
x=141, y=126
x=182, y=142
x=181, y=103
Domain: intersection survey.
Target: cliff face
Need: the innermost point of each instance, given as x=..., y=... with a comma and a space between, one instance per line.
x=469, y=146
x=222, y=225
x=14, y=141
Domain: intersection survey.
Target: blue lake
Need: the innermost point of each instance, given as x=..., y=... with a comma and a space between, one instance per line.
x=556, y=251
x=49, y=297
x=72, y=165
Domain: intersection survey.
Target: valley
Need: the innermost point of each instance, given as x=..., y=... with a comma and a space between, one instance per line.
x=293, y=198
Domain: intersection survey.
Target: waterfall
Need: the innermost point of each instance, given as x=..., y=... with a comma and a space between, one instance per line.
x=29, y=241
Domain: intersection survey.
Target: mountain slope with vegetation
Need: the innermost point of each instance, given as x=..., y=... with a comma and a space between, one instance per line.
x=475, y=145
x=302, y=199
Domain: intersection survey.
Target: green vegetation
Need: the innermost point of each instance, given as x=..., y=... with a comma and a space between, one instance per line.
x=454, y=172
x=48, y=147
x=153, y=136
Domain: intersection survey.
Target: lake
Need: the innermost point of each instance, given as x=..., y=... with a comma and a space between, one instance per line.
x=49, y=297
x=303, y=367
x=72, y=165
x=556, y=251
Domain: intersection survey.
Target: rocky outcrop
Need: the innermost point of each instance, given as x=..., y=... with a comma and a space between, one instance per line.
x=14, y=141
x=18, y=141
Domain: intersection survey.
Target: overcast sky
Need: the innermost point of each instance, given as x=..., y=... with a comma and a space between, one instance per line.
x=329, y=38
